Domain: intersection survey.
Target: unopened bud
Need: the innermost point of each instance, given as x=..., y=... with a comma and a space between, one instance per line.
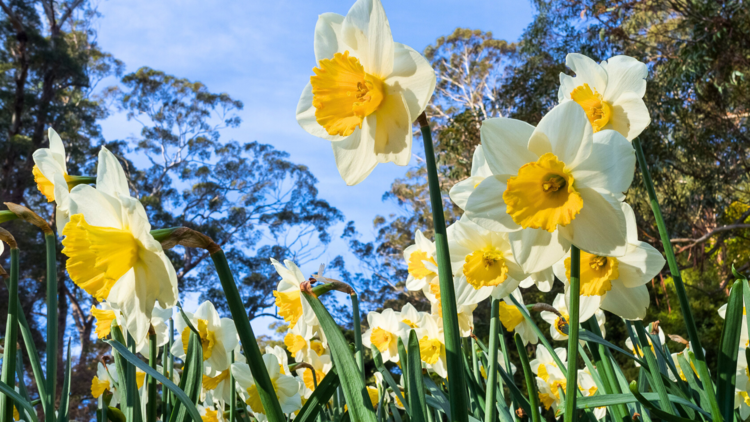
x=29, y=216
x=183, y=236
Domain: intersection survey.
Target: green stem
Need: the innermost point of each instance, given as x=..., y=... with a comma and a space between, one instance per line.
x=232, y=394
x=11, y=338
x=247, y=338
x=152, y=352
x=530, y=380
x=80, y=180
x=132, y=405
x=573, y=323
x=358, y=354
x=604, y=368
x=687, y=314
x=168, y=362
x=50, y=244
x=653, y=367
x=490, y=411
x=456, y=381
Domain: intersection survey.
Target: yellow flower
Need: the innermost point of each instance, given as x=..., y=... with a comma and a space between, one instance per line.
x=421, y=262
x=51, y=177
x=210, y=416
x=104, y=318
x=289, y=297
x=513, y=320
x=384, y=332
x=98, y=387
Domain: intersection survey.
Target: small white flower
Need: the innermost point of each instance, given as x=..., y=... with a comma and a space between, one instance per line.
x=218, y=337
x=417, y=256
x=285, y=386
x=384, y=332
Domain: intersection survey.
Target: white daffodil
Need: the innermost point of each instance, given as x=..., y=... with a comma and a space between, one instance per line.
x=384, y=332
x=680, y=370
x=300, y=347
x=544, y=363
x=419, y=254
x=553, y=379
x=366, y=92
x=160, y=322
x=209, y=414
x=588, y=389
x=281, y=356
x=467, y=298
x=432, y=346
x=218, y=337
x=561, y=185
x=285, y=386
x=105, y=315
x=216, y=386
x=321, y=365
x=483, y=257
x=460, y=192
x=410, y=316
x=744, y=342
x=51, y=177
x=288, y=295
x=111, y=252
x=637, y=350
x=742, y=385
x=611, y=93
x=558, y=323
x=543, y=280
x=513, y=320
x=617, y=284
x=106, y=380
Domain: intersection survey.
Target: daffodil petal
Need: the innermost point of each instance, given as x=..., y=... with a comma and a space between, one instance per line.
x=393, y=134
x=366, y=29
x=461, y=191
x=610, y=166
x=587, y=71
x=505, y=144
x=537, y=249
x=486, y=207
x=640, y=265
x=110, y=177
x=600, y=227
x=566, y=132
x=98, y=208
x=327, y=41
x=355, y=158
x=587, y=305
x=624, y=74
x=542, y=279
x=628, y=303
x=412, y=76
x=307, y=120
x=630, y=116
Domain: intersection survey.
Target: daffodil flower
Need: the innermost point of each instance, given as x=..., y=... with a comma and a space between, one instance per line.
x=558, y=323
x=209, y=414
x=51, y=177
x=553, y=382
x=417, y=257
x=289, y=296
x=366, y=92
x=410, y=316
x=216, y=385
x=321, y=365
x=554, y=186
x=105, y=315
x=611, y=93
x=432, y=346
x=484, y=257
x=742, y=385
x=616, y=284
x=384, y=332
x=285, y=386
x=686, y=355
x=588, y=389
x=467, y=298
x=218, y=337
x=461, y=191
x=637, y=350
x=111, y=252
x=513, y=320
x=300, y=346
x=105, y=380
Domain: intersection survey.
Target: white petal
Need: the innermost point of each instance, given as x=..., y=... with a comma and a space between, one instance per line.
x=392, y=130
x=50, y=163
x=229, y=337
x=413, y=77
x=600, y=226
x=55, y=143
x=624, y=74
x=479, y=166
x=98, y=208
x=110, y=177
x=366, y=29
x=537, y=249
x=629, y=116
x=355, y=155
x=542, y=279
x=587, y=305
x=327, y=40
x=627, y=303
x=566, y=132
x=630, y=223
x=567, y=85
x=306, y=117
x=131, y=298
x=587, y=71
x=505, y=288
x=610, y=166
x=207, y=312
x=461, y=191
x=486, y=207
x=505, y=144
x=640, y=265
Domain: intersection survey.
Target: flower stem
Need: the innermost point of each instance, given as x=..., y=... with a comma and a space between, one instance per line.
x=168, y=363
x=152, y=352
x=456, y=381
x=490, y=411
x=11, y=334
x=232, y=394
x=50, y=242
x=687, y=315
x=530, y=380
x=572, y=376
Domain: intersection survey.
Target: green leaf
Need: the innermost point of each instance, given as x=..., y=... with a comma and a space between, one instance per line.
x=13, y=395
x=192, y=374
x=378, y=360
x=530, y=379
x=591, y=337
x=115, y=415
x=357, y=399
x=320, y=396
x=653, y=367
x=50, y=242
x=11, y=336
x=655, y=411
x=64, y=409
x=438, y=399
x=416, y=386
x=181, y=396
x=615, y=399
x=730, y=342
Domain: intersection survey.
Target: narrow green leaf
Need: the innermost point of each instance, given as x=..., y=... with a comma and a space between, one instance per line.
x=388, y=378
x=359, y=353
x=491, y=390
x=320, y=396
x=357, y=399
x=702, y=400
x=11, y=337
x=416, y=386
x=655, y=411
x=653, y=368
x=437, y=396
x=591, y=337
x=151, y=382
x=404, y=361
x=530, y=380
x=18, y=400
x=64, y=410
x=50, y=241
x=515, y=392
x=192, y=373
x=615, y=399
x=181, y=396
x=574, y=287
x=730, y=342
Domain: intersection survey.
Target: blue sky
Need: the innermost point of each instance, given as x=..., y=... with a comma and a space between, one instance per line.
x=261, y=52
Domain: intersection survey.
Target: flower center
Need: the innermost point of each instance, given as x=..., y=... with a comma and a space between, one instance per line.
x=208, y=338
x=410, y=323
x=430, y=349
x=210, y=416
x=597, y=273
x=46, y=187
x=294, y=343
x=290, y=306
x=253, y=399
x=510, y=316
x=542, y=195
x=307, y=378
x=104, y=320
x=435, y=290
x=416, y=268
x=556, y=385
x=381, y=339
x=98, y=387
x=318, y=347
x=597, y=110
x=97, y=256
x=485, y=267
x=561, y=325
x=210, y=383
x=344, y=94
x=745, y=397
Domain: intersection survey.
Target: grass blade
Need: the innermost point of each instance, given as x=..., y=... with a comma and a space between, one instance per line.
x=179, y=393
x=11, y=338
x=530, y=380
x=573, y=327
x=378, y=360
x=653, y=368
x=730, y=342
x=320, y=396
x=357, y=399
x=489, y=415
x=17, y=399
x=152, y=352
x=63, y=411
x=50, y=242
x=416, y=386
x=653, y=409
